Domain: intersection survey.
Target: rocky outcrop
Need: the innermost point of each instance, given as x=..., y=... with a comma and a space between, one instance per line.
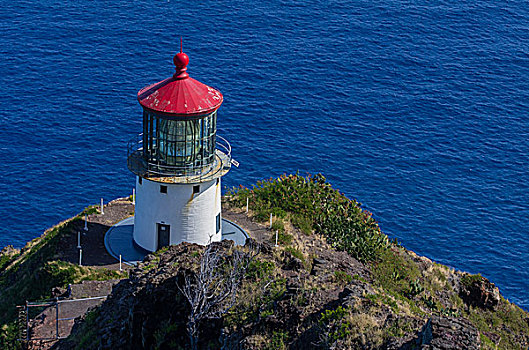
x=476, y=290
x=444, y=333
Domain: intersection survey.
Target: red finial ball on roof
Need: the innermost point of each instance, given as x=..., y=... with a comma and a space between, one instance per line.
x=180, y=61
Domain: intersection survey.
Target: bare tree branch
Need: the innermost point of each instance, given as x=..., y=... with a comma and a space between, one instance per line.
x=212, y=290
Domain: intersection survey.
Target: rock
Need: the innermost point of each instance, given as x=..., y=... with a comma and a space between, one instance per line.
x=260, y=247
x=353, y=291
x=318, y=266
x=294, y=264
x=448, y=333
x=319, y=261
x=478, y=291
x=59, y=292
x=292, y=287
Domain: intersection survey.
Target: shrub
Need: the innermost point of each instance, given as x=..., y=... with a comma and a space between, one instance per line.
x=92, y=209
x=258, y=269
x=328, y=316
x=415, y=289
x=315, y=205
x=468, y=280
x=396, y=271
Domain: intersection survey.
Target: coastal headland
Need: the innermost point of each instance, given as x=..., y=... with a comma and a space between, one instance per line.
x=332, y=280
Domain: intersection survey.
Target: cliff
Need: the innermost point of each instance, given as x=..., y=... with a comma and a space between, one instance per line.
x=333, y=281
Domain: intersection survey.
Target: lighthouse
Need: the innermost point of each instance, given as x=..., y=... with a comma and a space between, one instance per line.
x=178, y=161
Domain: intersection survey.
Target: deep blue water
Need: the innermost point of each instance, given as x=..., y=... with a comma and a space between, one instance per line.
x=419, y=109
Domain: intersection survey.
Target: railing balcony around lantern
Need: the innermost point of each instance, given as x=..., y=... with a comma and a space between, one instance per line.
x=149, y=165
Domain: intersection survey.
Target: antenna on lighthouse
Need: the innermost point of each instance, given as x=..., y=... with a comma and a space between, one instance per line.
x=181, y=45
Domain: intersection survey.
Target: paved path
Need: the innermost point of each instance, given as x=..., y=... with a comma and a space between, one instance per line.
x=119, y=241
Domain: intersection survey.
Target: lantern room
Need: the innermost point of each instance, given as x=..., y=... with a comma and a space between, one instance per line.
x=178, y=161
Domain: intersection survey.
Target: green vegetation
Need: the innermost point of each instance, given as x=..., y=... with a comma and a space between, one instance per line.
x=92, y=209
x=396, y=272
x=278, y=224
x=364, y=305
x=506, y=322
x=6, y=259
x=88, y=338
x=258, y=269
x=165, y=333
x=468, y=280
x=258, y=295
x=334, y=324
x=60, y=274
x=316, y=205
x=278, y=342
x=303, y=223
x=295, y=253
x=342, y=277
x=282, y=238
x=351, y=328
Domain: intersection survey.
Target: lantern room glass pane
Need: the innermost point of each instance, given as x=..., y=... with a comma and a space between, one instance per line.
x=186, y=143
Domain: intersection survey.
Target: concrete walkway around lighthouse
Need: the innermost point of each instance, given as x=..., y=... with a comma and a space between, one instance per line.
x=118, y=240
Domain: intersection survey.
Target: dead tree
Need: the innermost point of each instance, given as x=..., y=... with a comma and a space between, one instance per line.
x=211, y=291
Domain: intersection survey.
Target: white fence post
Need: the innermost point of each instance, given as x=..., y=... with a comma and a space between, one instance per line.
x=86, y=222
x=102, y=212
x=120, y=263
x=133, y=196
x=277, y=233
x=247, y=202
x=270, y=220
x=78, y=240
x=80, y=257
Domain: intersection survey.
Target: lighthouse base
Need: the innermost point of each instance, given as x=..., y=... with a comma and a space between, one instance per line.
x=168, y=213
x=119, y=240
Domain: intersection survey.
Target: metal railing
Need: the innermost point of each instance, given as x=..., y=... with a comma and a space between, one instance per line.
x=25, y=319
x=139, y=165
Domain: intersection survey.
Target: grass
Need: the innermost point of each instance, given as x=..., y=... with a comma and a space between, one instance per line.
x=61, y=273
x=283, y=238
x=88, y=338
x=508, y=321
x=396, y=272
x=296, y=253
x=278, y=341
x=342, y=277
x=303, y=223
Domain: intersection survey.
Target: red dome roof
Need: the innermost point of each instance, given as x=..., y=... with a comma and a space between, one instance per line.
x=180, y=95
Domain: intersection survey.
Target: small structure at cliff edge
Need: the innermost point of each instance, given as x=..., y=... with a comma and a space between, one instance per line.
x=178, y=161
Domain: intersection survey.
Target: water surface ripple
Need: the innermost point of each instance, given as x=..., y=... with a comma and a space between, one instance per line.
x=417, y=108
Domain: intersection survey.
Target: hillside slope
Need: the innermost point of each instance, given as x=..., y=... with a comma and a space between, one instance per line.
x=334, y=281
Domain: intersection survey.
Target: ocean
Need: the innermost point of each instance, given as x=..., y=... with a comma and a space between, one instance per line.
x=418, y=109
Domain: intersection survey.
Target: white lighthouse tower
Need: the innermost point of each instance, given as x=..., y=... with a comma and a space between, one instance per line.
x=178, y=161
